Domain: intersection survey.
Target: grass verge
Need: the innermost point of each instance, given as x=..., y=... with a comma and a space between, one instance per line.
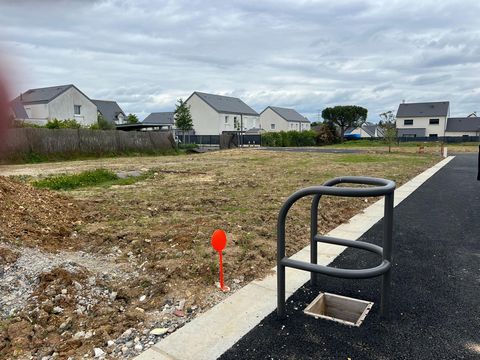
x=86, y=179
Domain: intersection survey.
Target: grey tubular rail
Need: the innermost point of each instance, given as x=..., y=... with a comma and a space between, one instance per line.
x=381, y=187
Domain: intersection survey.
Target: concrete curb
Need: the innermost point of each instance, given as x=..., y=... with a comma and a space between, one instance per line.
x=212, y=333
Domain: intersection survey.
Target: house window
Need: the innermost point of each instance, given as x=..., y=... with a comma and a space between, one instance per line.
x=434, y=121
x=226, y=119
x=433, y=135
x=76, y=109
x=272, y=126
x=408, y=122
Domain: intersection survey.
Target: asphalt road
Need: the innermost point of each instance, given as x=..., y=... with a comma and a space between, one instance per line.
x=435, y=311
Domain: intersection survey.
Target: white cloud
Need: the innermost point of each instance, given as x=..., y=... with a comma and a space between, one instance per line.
x=306, y=54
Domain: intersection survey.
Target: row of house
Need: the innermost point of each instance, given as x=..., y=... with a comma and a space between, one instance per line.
x=216, y=114
x=423, y=120
x=211, y=114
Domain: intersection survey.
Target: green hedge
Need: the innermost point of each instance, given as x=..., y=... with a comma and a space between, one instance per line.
x=289, y=138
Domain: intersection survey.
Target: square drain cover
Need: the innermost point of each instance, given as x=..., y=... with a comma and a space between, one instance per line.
x=342, y=309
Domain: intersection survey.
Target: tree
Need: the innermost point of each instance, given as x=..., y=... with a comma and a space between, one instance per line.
x=326, y=134
x=132, y=119
x=387, y=124
x=183, y=118
x=345, y=117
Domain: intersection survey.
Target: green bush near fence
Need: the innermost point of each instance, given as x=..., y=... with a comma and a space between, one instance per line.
x=63, y=124
x=289, y=138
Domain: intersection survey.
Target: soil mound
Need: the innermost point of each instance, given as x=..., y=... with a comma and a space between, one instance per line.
x=32, y=217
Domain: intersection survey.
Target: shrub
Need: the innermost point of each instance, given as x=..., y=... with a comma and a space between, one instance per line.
x=102, y=124
x=326, y=135
x=63, y=124
x=289, y=138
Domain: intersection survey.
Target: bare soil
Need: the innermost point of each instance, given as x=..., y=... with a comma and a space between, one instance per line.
x=126, y=259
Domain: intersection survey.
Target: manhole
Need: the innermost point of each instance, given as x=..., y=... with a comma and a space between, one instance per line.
x=342, y=309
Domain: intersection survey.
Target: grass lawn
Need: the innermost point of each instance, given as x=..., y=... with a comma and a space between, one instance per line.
x=431, y=147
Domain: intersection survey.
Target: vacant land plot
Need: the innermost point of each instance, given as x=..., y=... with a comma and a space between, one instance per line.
x=429, y=147
x=103, y=266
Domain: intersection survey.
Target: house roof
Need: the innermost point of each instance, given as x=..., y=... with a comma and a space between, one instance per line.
x=225, y=104
x=160, y=118
x=44, y=95
x=18, y=109
x=287, y=114
x=109, y=109
x=459, y=124
x=423, y=109
x=369, y=128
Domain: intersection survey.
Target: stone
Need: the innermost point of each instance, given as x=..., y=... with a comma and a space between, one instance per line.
x=181, y=305
x=110, y=343
x=88, y=334
x=79, y=335
x=57, y=310
x=142, y=298
x=179, y=313
x=113, y=295
x=127, y=333
x=129, y=344
x=98, y=352
x=159, y=331
x=138, y=347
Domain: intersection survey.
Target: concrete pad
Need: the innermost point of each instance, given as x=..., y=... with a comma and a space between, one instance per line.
x=210, y=334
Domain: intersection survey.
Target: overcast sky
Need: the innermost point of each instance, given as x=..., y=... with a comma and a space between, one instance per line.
x=302, y=54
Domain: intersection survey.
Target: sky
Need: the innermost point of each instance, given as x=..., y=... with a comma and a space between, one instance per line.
x=307, y=55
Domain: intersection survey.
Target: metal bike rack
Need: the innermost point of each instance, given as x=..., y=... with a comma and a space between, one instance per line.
x=381, y=187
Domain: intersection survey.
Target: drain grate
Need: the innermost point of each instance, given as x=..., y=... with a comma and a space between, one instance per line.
x=342, y=309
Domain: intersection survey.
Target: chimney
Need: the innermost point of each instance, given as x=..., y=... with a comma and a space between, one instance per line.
x=403, y=101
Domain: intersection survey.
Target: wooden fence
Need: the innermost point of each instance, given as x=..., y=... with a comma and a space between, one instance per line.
x=78, y=141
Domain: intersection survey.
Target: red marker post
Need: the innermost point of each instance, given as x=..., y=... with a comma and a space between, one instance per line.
x=219, y=241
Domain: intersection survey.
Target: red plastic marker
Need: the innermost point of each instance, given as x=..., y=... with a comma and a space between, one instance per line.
x=219, y=241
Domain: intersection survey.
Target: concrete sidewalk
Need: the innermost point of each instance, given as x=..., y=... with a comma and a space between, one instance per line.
x=435, y=311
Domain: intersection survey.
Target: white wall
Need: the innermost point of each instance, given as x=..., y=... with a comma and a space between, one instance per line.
x=269, y=117
x=227, y=122
x=37, y=111
x=62, y=107
x=423, y=123
x=456, y=133
x=205, y=119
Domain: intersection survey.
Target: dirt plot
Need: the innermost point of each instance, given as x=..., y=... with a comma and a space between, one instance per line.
x=117, y=262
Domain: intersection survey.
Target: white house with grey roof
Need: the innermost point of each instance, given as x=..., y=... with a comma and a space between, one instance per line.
x=110, y=111
x=428, y=119
x=160, y=120
x=366, y=131
x=463, y=126
x=56, y=102
x=216, y=114
x=275, y=118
